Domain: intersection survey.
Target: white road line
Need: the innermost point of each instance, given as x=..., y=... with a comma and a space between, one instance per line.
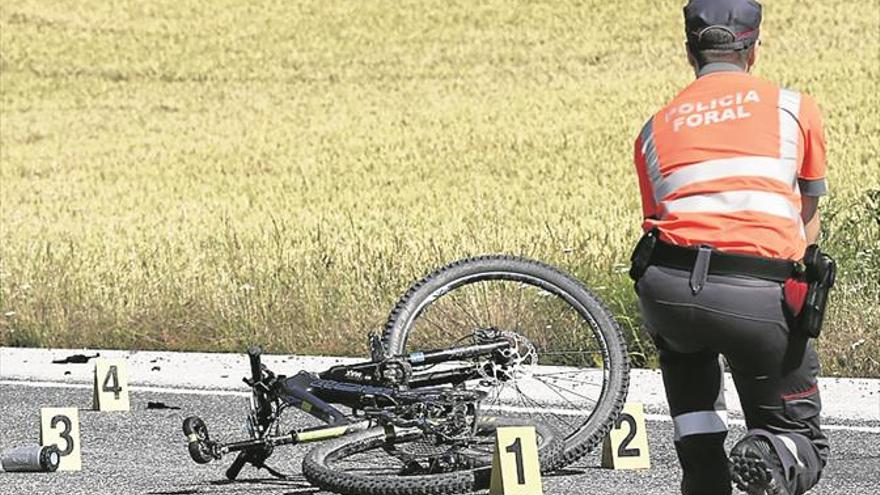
x=133, y=388
x=235, y=393
x=740, y=422
x=659, y=417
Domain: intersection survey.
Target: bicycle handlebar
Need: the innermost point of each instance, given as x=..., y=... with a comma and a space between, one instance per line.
x=254, y=353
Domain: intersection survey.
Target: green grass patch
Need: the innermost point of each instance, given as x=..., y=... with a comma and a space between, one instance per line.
x=202, y=175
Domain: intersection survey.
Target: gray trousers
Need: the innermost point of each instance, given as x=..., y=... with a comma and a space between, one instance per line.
x=744, y=319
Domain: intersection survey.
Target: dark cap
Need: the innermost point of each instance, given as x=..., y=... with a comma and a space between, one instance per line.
x=741, y=18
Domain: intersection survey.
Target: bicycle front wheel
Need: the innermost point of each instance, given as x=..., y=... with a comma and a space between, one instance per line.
x=371, y=463
x=567, y=366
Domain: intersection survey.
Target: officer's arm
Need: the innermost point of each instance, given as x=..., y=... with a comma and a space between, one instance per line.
x=811, y=178
x=649, y=208
x=810, y=216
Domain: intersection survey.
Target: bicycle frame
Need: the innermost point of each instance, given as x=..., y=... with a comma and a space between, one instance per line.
x=349, y=385
x=386, y=382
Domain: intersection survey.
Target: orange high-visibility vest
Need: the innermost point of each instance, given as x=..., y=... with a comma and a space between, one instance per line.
x=725, y=164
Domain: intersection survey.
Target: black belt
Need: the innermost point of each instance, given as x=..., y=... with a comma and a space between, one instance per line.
x=683, y=258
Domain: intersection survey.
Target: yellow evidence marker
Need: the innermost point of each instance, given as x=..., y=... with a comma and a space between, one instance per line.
x=59, y=426
x=516, y=469
x=626, y=446
x=111, y=385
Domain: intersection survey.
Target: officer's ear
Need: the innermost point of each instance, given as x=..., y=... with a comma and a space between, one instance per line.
x=753, y=55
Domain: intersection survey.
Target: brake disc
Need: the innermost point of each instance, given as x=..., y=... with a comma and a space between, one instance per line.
x=514, y=361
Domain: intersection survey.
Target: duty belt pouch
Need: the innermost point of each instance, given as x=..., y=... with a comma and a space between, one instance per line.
x=820, y=272
x=641, y=255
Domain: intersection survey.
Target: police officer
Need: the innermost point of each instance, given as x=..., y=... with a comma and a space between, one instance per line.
x=730, y=172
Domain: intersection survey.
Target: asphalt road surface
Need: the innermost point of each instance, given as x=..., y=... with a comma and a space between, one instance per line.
x=143, y=452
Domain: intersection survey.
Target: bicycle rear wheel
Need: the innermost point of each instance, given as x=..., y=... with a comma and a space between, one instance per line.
x=569, y=369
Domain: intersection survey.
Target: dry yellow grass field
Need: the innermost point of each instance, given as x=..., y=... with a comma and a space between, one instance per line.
x=206, y=174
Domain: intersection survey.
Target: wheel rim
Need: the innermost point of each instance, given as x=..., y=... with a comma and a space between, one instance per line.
x=572, y=372
x=377, y=457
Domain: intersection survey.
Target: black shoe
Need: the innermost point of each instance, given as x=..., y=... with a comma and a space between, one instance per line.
x=756, y=469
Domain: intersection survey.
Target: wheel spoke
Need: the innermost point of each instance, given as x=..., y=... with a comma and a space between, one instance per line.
x=542, y=407
x=556, y=389
x=521, y=289
x=569, y=372
x=568, y=353
x=434, y=324
x=582, y=382
x=443, y=313
x=488, y=314
x=498, y=392
x=466, y=312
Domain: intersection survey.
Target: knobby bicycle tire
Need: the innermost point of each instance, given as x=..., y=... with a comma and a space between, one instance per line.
x=591, y=309
x=318, y=467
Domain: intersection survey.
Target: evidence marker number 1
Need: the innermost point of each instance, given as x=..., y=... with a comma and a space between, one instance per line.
x=516, y=468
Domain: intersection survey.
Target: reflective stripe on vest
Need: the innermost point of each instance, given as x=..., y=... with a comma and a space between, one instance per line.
x=789, y=132
x=652, y=161
x=782, y=169
x=731, y=201
x=789, y=107
x=751, y=166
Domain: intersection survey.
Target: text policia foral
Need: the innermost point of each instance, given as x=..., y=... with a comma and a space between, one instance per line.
x=716, y=110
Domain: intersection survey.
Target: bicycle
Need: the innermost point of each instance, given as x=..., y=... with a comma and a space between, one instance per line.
x=480, y=343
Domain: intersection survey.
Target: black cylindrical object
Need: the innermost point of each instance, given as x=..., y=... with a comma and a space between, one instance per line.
x=254, y=353
x=31, y=458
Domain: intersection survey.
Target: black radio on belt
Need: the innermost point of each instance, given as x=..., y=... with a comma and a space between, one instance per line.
x=819, y=273
x=641, y=255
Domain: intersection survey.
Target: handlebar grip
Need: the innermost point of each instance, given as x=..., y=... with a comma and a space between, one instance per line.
x=236, y=466
x=254, y=353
